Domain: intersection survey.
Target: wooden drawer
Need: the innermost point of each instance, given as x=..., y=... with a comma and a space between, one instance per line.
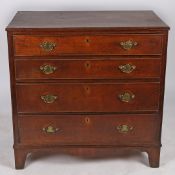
x=89, y=130
x=87, y=69
x=147, y=44
x=86, y=97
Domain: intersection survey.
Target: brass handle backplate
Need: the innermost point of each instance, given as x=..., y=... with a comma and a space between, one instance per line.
x=127, y=45
x=49, y=98
x=124, y=129
x=127, y=68
x=50, y=129
x=48, y=69
x=126, y=97
x=48, y=46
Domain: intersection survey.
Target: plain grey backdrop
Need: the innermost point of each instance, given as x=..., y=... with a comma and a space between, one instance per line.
x=66, y=165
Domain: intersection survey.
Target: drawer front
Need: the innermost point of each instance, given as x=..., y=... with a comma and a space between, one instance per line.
x=26, y=45
x=87, y=69
x=86, y=97
x=89, y=130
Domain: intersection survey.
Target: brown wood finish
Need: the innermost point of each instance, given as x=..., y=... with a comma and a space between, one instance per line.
x=26, y=45
x=87, y=69
x=86, y=20
x=103, y=127
x=87, y=82
x=87, y=97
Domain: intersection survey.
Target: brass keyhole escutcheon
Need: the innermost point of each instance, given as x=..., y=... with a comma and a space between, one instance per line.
x=87, y=120
x=87, y=65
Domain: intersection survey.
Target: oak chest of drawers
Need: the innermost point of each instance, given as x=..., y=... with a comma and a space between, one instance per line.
x=87, y=81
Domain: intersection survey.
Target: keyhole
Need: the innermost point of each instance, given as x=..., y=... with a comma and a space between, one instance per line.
x=87, y=65
x=87, y=89
x=87, y=40
x=87, y=120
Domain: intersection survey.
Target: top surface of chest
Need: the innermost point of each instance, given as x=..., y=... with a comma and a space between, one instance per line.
x=86, y=20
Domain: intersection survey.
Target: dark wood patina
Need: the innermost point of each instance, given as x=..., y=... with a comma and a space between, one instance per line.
x=87, y=82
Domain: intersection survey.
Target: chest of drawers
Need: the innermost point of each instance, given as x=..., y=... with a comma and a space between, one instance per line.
x=87, y=82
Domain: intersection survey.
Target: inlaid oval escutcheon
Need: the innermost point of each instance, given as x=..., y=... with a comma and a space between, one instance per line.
x=87, y=120
x=48, y=69
x=127, y=45
x=50, y=129
x=124, y=129
x=48, y=98
x=48, y=46
x=87, y=90
x=87, y=64
x=126, y=97
x=127, y=68
x=87, y=40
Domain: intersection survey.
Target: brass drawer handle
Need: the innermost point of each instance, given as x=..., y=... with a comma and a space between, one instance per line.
x=127, y=68
x=48, y=69
x=126, y=97
x=124, y=129
x=49, y=98
x=50, y=129
x=127, y=45
x=48, y=46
